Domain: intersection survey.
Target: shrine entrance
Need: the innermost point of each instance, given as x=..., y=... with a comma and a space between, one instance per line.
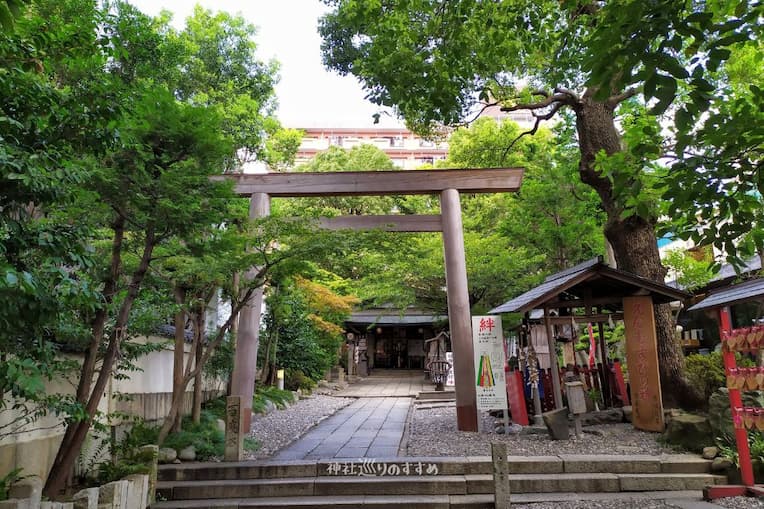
x=448, y=184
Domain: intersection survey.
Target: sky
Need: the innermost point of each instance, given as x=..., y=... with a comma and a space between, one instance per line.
x=308, y=95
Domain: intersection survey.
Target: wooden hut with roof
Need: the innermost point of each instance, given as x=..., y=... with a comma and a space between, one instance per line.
x=593, y=292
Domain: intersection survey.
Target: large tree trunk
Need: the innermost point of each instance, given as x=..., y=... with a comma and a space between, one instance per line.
x=633, y=241
x=196, y=412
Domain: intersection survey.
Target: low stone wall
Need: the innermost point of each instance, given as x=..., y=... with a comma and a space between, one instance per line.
x=133, y=492
x=35, y=455
x=155, y=406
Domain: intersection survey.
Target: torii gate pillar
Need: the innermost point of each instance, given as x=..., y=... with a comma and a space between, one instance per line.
x=245, y=360
x=459, y=310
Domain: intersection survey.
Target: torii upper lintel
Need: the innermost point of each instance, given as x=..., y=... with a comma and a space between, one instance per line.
x=377, y=183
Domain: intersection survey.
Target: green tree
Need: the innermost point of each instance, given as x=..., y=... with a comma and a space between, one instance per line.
x=435, y=61
x=689, y=272
x=49, y=133
x=219, y=67
x=700, y=63
x=154, y=187
x=304, y=323
x=553, y=214
x=336, y=159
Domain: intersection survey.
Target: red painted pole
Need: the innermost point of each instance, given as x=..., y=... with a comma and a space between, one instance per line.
x=620, y=383
x=741, y=436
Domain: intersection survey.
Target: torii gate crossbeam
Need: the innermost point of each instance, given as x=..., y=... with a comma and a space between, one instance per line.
x=447, y=184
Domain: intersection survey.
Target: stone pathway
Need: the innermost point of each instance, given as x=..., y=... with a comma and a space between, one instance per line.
x=367, y=428
x=388, y=382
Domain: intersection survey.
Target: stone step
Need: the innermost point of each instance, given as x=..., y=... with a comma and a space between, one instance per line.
x=636, y=464
x=350, y=501
x=484, y=501
x=471, y=484
x=436, y=396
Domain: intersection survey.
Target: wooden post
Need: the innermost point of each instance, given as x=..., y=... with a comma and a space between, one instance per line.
x=500, y=475
x=245, y=361
x=604, y=368
x=459, y=310
x=553, y=366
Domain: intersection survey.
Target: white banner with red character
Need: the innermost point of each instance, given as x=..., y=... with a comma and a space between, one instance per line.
x=488, y=345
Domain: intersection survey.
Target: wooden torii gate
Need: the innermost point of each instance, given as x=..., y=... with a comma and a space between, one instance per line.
x=447, y=184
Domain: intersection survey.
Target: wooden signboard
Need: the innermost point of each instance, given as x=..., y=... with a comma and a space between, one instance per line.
x=642, y=358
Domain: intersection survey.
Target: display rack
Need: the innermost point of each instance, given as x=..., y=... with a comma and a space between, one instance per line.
x=743, y=340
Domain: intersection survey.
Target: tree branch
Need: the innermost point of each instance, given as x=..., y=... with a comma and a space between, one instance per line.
x=535, y=127
x=617, y=99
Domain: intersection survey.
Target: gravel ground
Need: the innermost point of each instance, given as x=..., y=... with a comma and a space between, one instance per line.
x=740, y=503
x=604, y=504
x=432, y=432
x=730, y=503
x=280, y=427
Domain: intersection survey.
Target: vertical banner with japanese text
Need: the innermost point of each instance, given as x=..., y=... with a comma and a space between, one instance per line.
x=642, y=356
x=488, y=345
x=450, y=379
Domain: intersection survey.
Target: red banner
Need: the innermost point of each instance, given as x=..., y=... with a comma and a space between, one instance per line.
x=592, y=348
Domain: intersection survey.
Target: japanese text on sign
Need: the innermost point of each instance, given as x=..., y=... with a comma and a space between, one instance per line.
x=488, y=346
x=370, y=468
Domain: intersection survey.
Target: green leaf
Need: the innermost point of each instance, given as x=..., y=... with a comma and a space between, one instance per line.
x=672, y=66
x=665, y=94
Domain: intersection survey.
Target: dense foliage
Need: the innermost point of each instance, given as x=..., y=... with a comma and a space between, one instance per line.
x=111, y=123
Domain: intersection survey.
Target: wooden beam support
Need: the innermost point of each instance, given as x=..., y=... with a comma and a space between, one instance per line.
x=376, y=183
x=593, y=318
x=419, y=223
x=579, y=303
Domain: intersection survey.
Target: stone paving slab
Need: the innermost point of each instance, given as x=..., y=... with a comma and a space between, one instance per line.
x=388, y=383
x=367, y=428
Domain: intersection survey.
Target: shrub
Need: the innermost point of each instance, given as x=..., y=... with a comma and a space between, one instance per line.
x=706, y=372
x=9, y=480
x=279, y=397
x=205, y=436
x=296, y=379
x=251, y=444
x=728, y=449
x=216, y=407
x=108, y=471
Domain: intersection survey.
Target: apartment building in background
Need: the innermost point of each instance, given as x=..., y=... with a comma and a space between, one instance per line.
x=406, y=149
